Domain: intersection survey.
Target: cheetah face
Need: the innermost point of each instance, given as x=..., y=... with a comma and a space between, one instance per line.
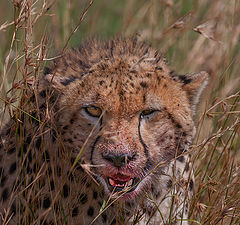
x=130, y=153
x=136, y=117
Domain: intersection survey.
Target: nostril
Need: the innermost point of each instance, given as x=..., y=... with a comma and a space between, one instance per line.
x=118, y=160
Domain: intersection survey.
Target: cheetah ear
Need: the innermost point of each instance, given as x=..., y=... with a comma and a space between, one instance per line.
x=57, y=81
x=194, y=84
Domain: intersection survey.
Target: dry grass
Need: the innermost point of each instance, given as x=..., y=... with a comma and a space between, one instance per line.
x=194, y=35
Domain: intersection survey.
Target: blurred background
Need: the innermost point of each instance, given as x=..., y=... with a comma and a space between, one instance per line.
x=193, y=35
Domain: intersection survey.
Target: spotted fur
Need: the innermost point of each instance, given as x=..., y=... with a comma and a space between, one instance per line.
x=65, y=163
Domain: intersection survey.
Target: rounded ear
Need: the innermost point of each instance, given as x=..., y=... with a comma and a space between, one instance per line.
x=194, y=84
x=57, y=81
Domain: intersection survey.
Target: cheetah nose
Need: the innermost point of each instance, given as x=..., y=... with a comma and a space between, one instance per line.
x=118, y=160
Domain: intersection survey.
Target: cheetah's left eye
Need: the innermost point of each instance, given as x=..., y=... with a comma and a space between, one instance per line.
x=147, y=113
x=93, y=111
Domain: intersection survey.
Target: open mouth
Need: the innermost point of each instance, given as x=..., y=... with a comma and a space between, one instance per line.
x=119, y=182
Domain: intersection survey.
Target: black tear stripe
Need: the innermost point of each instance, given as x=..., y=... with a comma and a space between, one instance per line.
x=149, y=161
x=92, y=149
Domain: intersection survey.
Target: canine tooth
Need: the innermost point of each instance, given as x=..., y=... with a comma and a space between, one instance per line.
x=130, y=182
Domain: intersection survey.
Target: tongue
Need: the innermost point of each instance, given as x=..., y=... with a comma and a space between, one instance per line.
x=119, y=181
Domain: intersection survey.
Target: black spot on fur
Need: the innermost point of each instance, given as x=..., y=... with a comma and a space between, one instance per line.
x=35, y=167
x=162, y=140
x=46, y=203
x=30, y=156
x=158, y=68
x=181, y=159
x=144, y=84
x=53, y=135
x=45, y=156
x=101, y=82
x=65, y=127
x=88, y=184
x=3, y=180
x=144, y=98
x=38, y=143
x=83, y=198
x=95, y=195
x=82, y=85
x=187, y=167
x=72, y=160
x=184, y=79
x=90, y=211
x=5, y=194
x=52, y=185
x=13, y=208
x=24, y=148
x=47, y=70
x=13, y=168
x=75, y=212
x=71, y=177
x=179, y=126
x=52, y=99
x=65, y=190
x=59, y=171
x=43, y=94
x=169, y=184
x=8, y=131
x=49, y=170
x=11, y=151
x=43, y=106
x=121, y=95
x=29, y=170
x=28, y=140
x=191, y=185
x=69, y=140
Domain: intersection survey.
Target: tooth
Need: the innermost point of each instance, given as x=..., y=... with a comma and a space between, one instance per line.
x=130, y=182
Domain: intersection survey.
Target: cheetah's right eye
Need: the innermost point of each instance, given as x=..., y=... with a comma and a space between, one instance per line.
x=93, y=111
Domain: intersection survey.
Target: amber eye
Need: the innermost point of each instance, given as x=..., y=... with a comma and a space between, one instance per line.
x=147, y=113
x=93, y=111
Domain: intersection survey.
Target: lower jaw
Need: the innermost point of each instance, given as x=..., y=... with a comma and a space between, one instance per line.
x=129, y=196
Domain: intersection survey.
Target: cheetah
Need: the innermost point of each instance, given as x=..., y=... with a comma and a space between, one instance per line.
x=103, y=138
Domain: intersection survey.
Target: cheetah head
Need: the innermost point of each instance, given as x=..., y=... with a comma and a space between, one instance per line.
x=121, y=106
